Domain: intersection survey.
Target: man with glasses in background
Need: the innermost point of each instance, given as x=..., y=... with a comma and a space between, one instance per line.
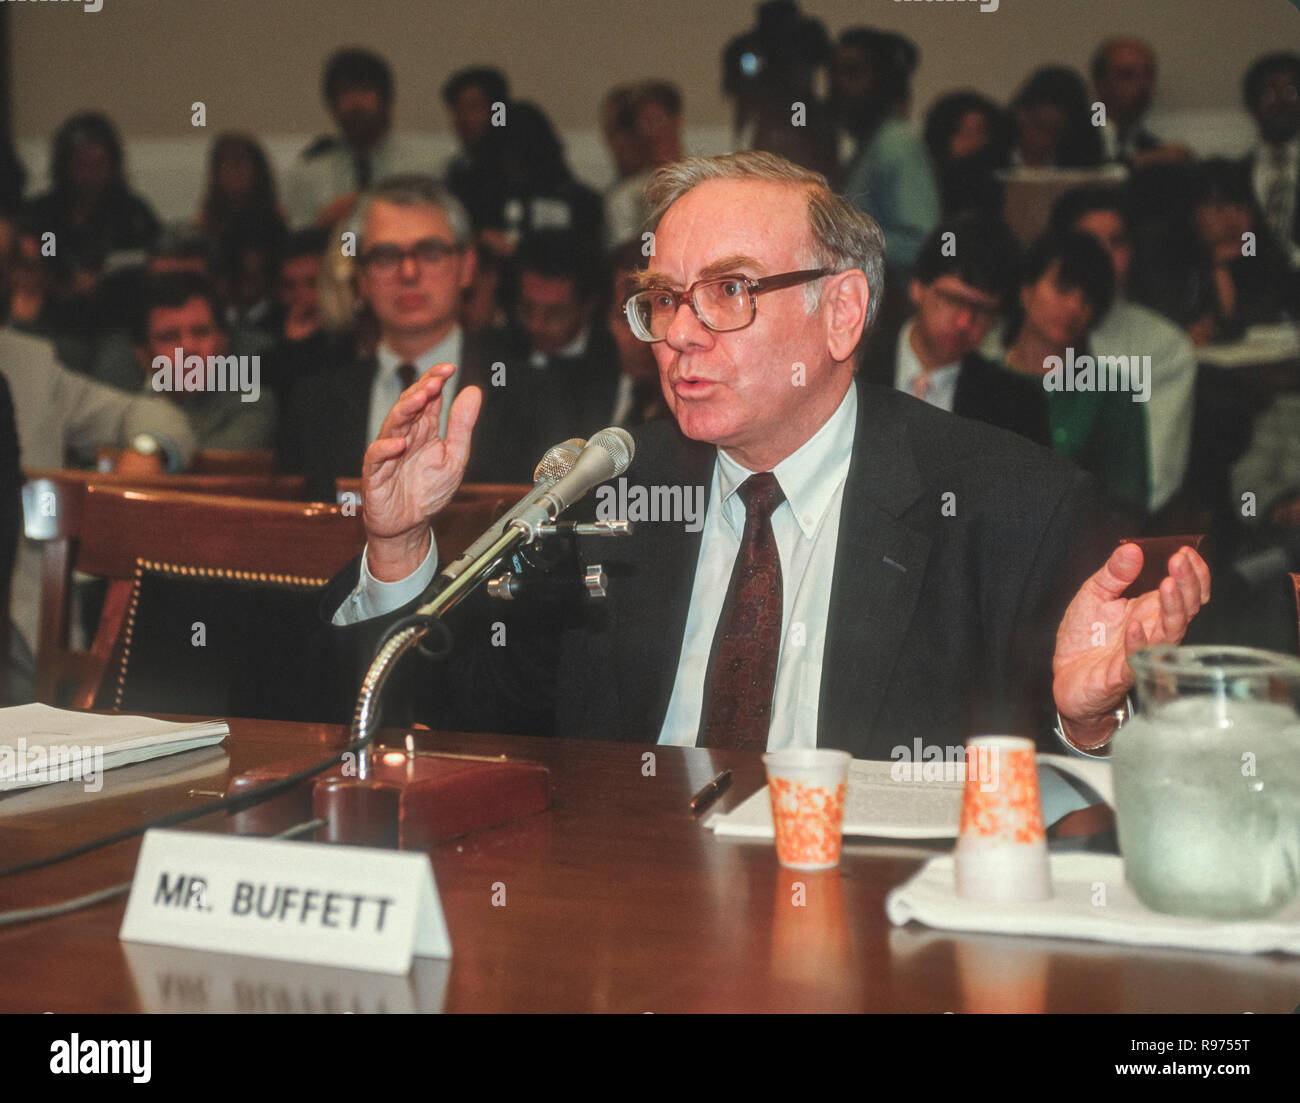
x=964, y=272
x=869, y=570
x=413, y=261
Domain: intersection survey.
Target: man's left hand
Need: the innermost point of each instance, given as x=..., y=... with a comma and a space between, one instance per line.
x=1101, y=630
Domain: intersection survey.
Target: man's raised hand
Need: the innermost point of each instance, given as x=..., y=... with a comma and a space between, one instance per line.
x=1101, y=630
x=410, y=473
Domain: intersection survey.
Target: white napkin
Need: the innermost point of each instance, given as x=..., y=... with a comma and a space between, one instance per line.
x=1079, y=881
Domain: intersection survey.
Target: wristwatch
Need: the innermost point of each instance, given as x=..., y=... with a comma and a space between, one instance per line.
x=1101, y=750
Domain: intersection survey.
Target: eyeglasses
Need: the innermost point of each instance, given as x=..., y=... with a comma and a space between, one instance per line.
x=721, y=304
x=387, y=259
x=980, y=312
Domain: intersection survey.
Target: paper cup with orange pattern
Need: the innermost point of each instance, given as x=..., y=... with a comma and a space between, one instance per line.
x=807, y=789
x=1001, y=854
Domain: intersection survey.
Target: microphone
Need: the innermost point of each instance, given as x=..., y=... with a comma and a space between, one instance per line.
x=550, y=470
x=607, y=454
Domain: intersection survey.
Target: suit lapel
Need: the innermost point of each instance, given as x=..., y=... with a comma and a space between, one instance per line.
x=969, y=398
x=879, y=567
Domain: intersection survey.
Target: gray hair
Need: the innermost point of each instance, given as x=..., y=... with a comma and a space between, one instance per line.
x=843, y=237
x=414, y=190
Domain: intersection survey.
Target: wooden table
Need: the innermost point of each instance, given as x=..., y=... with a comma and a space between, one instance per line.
x=616, y=899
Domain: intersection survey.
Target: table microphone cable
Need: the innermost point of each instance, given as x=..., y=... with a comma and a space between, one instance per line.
x=66, y=907
x=235, y=803
x=240, y=801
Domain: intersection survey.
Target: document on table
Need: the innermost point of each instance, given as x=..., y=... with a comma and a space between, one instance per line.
x=40, y=744
x=904, y=800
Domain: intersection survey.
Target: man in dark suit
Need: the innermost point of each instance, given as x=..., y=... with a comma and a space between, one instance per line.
x=1272, y=93
x=1124, y=76
x=964, y=273
x=413, y=260
x=555, y=372
x=866, y=570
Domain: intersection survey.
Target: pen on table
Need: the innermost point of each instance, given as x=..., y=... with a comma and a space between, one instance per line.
x=711, y=792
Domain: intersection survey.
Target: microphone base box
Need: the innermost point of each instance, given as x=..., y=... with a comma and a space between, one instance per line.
x=406, y=801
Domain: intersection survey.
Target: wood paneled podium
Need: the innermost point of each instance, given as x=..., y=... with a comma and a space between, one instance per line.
x=615, y=899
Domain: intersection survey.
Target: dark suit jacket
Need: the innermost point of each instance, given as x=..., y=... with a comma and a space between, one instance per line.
x=941, y=621
x=1247, y=168
x=985, y=392
x=538, y=407
x=324, y=424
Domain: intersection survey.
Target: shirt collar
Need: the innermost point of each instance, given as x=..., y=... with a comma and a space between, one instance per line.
x=446, y=351
x=909, y=364
x=575, y=348
x=808, y=477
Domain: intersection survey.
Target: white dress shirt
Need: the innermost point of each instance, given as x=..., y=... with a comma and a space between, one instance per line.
x=386, y=387
x=1128, y=329
x=312, y=182
x=806, y=527
x=575, y=348
x=1262, y=180
x=942, y=391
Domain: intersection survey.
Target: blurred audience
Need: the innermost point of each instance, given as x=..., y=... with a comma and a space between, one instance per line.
x=1271, y=90
x=92, y=215
x=1124, y=77
x=539, y=190
x=966, y=137
x=964, y=274
x=220, y=394
x=890, y=176
x=1066, y=285
x=769, y=70
x=62, y=418
x=1129, y=330
x=240, y=188
x=639, y=397
x=323, y=184
x=474, y=173
x=555, y=370
x=1217, y=270
x=643, y=128
x=1051, y=117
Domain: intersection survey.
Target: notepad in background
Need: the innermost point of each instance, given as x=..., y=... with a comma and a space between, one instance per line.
x=40, y=745
x=880, y=805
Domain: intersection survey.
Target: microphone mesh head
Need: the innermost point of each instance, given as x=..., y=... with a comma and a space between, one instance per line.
x=618, y=443
x=558, y=459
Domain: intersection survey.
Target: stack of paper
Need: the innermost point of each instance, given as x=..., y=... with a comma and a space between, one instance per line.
x=40, y=744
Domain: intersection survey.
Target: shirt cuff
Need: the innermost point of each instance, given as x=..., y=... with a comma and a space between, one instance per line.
x=1102, y=752
x=373, y=598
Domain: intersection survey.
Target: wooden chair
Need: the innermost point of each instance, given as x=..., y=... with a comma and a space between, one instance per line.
x=505, y=492
x=284, y=487
x=111, y=530
x=211, y=461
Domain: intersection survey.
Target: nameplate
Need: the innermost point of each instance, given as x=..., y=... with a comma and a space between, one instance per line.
x=353, y=907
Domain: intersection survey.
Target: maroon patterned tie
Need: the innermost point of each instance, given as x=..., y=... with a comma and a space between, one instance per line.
x=406, y=375
x=738, y=700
